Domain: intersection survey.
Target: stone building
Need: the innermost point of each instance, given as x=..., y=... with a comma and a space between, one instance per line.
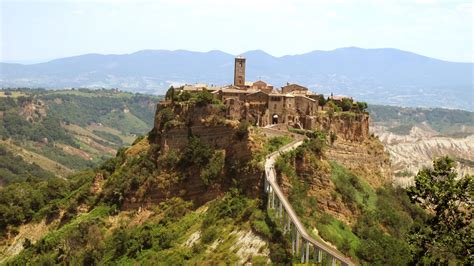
x=261, y=104
x=239, y=72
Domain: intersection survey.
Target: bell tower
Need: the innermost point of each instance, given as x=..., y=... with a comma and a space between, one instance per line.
x=239, y=71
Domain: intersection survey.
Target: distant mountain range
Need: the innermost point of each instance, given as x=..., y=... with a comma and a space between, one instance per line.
x=384, y=76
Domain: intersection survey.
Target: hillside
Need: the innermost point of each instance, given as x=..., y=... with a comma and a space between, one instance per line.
x=388, y=76
x=149, y=204
x=67, y=130
x=191, y=192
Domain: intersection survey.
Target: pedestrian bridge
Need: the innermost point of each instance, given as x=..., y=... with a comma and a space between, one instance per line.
x=302, y=244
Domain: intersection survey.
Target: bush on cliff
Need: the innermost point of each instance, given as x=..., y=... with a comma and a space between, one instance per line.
x=362, y=106
x=213, y=169
x=346, y=104
x=204, y=98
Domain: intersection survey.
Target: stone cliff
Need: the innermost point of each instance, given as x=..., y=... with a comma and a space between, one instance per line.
x=176, y=124
x=346, y=125
x=366, y=159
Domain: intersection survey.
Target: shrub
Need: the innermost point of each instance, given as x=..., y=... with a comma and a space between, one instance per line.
x=196, y=153
x=259, y=224
x=275, y=143
x=346, y=104
x=322, y=100
x=362, y=106
x=170, y=94
x=204, y=98
x=165, y=115
x=214, y=168
x=184, y=96
x=315, y=145
x=209, y=234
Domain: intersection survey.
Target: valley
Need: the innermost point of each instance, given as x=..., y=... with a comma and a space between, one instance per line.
x=119, y=197
x=416, y=136
x=67, y=130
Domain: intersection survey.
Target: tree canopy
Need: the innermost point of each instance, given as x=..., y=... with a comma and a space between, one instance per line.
x=447, y=234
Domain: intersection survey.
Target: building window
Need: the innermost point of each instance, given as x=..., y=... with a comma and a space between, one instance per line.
x=274, y=106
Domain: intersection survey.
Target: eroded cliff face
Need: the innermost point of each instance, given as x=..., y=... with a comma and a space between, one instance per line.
x=411, y=153
x=347, y=126
x=175, y=125
x=367, y=159
x=317, y=175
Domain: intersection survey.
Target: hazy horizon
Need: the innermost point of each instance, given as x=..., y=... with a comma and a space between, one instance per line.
x=39, y=31
x=38, y=61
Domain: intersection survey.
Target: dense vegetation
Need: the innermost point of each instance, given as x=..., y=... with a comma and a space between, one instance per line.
x=76, y=128
x=14, y=169
x=448, y=233
x=38, y=128
x=89, y=228
x=91, y=239
x=36, y=198
x=444, y=121
x=389, y=228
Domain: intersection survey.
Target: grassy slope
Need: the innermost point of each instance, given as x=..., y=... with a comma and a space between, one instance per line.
x=13, y=168
x=42, y=161
x=382, y=216
x=83, y=110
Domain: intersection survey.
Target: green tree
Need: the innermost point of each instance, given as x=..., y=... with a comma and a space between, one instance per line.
x=204, y=98
x=321, y=100
x=447, y=234
x=346, y=104
x=362, y=106
x=170, y=94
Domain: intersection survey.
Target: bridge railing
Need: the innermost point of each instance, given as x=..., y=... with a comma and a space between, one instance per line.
x=302, y=244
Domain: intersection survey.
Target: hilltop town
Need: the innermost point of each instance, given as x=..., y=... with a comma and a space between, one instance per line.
x=293, y=105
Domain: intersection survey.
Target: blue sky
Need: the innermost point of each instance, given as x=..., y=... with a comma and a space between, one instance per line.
x=41, y=30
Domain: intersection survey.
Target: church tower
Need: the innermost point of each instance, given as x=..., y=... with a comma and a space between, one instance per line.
x=239, y=71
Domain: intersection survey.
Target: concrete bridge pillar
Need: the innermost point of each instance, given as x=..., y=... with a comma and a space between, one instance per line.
x=307, y=253
x=273, y=199
x=280, y=209
x=303, y=256
x=318, y=255
x=293, y=241
x=297, y=240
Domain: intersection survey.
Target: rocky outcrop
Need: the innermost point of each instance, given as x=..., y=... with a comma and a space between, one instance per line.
x=346, y=125
x=367, y=159
x=32, y=110
x=175, y=124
